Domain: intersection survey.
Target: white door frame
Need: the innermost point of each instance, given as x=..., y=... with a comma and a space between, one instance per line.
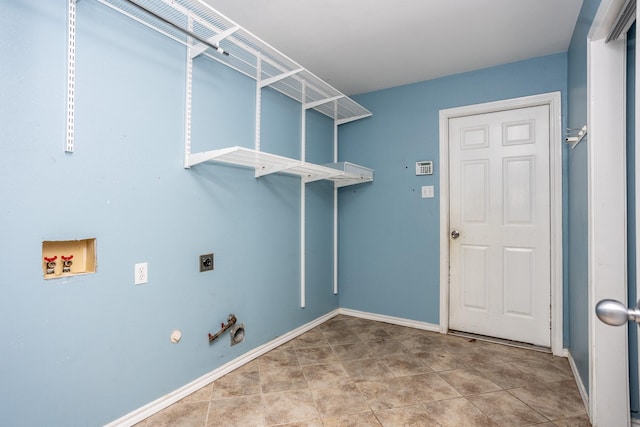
x=607, y=228
x=553, y=100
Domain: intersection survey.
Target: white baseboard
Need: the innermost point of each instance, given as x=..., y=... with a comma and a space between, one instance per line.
x=635, y=422
x=390, y=319
x=579, y=383
x=157, y=405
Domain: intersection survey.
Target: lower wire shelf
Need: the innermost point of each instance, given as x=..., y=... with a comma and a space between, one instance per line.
x=342, y=173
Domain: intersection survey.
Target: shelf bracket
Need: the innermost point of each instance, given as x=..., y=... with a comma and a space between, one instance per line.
x=352, y=119
x=312, y=178
x=263, y=170
x=200, y=48
x=204, y=156
x=274, y=79
x=309, y=105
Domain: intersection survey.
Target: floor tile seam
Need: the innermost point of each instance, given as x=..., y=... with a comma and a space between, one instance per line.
x=287, y=389
x=365, y=341
x=234, y=396
x=529, y=406
x=367, y=400
x=293, y=422
x=431, y=371
x=538, y=362
x=543, y=384
x=280, y=367
x=572, y=381
x=375, y=413
x=359, y=359
x=494, y=420
x=514, y=367
x=330, y=363
x=309, y=389
x=394, y=376
x=261, y=411
x=540, y=381
x=331, y=386
x=310, y=346
x=424, y=404
x=458, y=391
x=192, y=401
x=335, y=354
x=322, y=418
x=206, y=418
x=492, y=364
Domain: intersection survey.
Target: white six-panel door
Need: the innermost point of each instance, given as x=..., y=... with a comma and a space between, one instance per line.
x=500, y=205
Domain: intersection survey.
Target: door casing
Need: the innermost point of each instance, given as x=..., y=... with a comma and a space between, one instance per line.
x=608, y=399
x=553, y=100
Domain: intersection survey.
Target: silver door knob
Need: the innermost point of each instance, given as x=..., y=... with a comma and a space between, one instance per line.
x=455, y=234
x=615, y=313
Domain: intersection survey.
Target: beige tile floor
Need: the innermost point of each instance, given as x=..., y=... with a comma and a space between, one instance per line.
x=355, y=372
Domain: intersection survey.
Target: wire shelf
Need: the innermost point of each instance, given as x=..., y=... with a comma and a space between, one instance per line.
x=350, y=173
x=342, y=174
x=248, y=54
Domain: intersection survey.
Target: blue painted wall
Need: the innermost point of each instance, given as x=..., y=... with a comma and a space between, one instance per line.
x=92, y=348
x=389, y=235
x=578, y=308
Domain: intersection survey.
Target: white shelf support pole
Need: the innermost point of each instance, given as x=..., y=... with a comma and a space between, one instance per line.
x=335, y=203
x=188, y=99
x=258, y=100
x=303, y=203
x=71, y=74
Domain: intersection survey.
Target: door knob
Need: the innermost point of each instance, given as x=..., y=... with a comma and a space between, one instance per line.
x=455, y=234
x=615, y=313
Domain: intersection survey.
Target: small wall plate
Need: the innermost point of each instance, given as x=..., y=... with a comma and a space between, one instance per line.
x=206, y=262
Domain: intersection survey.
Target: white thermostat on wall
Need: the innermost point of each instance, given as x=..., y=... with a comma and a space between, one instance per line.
x=424, y=168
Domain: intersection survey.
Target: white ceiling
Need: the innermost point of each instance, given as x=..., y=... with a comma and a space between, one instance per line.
x=364, y=45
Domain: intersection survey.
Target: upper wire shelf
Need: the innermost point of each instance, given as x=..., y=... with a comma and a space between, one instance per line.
x=248, y=54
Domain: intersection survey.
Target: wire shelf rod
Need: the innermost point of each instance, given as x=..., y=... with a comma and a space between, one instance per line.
x=179, y=28
x=146, y=23
x=214, y=40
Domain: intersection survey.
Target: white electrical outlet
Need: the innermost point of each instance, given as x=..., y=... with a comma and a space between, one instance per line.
x=141, y=273
x=427, y=191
